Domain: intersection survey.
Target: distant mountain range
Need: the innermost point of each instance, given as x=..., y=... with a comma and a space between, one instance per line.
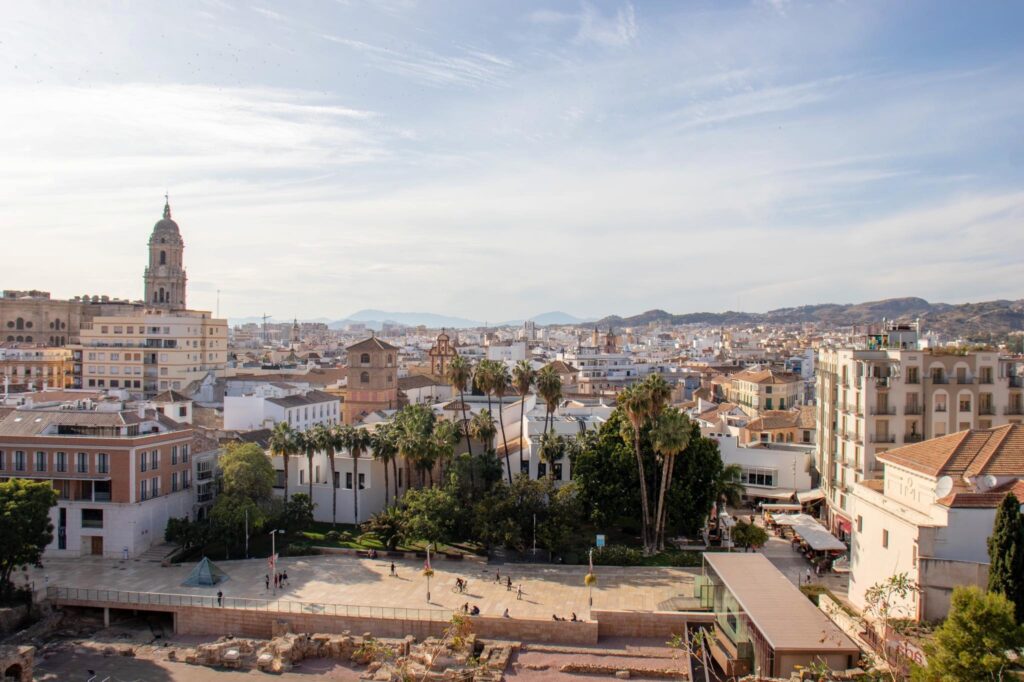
x=972, y=320
x=374, y=319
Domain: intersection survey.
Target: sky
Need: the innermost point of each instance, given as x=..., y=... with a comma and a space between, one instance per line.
x=496, y=160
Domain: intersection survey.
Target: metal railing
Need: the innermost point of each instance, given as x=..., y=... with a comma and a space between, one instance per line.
x=883, y=410
x=912, y=409
x=270, y=605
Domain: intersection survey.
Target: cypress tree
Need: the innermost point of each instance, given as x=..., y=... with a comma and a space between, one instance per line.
x=1006, y=554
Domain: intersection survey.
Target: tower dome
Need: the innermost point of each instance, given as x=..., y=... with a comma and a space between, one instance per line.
x=166, y=231
x=165, y=277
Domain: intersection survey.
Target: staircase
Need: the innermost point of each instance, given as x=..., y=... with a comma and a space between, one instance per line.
x=156, y=553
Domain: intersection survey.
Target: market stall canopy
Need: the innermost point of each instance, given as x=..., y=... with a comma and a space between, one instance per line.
x=792, y=519
x=810, y=495
x=818, y=538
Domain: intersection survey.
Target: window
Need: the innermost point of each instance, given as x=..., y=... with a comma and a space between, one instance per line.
x=155, y=486
x=143, y=462
x=524, y=466
x=364, y=378
x=174, y=482
x=174, y=454
x=186, y=478
x=103, y=463
x=40, y=461
x=860, y=524
x=885, y=539
x=348, y=480
x=337, y=479
x=92, y=518
x=542, y=470
x=143, y=489
x=364, y=359
x=184, y=454
x=757, y=476
x=154, y=459
x=362, y=481
x=302, y=476
x=182, y=411
x=82, y=463
x=558, y=471
x=3, y=461
x=965, y=404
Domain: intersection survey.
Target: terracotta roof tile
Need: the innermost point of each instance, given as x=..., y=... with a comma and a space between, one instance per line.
x=998, y=451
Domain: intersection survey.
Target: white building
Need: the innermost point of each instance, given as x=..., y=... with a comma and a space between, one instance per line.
x=299, y=409
x=507, y=352
x=931, y=513
x=771, y=471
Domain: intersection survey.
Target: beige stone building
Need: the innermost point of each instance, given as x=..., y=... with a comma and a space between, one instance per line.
x=888, y=394
x=162, y=347
x=755, y=390
x=372, y=379
x=25, y=368
x=34, y=317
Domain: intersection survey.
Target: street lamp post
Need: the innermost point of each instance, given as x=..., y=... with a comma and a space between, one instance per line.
x=273, y=557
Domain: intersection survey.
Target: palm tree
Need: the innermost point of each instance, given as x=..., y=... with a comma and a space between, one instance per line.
x=384, y=450
x=483, y=429
x=324, y=437
x=444, y=439
x=357, y=440
x=670, y=436
x=730, y=485
x=549, y=386
x=283, y=443
x=415, y=424
x=636, y=403
x=501, y=381
x=483, y=379
x=660, y=393
x=523, y=377
x=459, y=373
x=552, y=448
x=306, y=442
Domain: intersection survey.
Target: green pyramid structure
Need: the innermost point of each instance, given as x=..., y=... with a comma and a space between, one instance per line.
x=205, y=574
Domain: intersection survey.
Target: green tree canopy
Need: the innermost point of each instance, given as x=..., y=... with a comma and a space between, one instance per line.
x=1006, y=554
x=25, y=527
x=431, y=514
x=247, y=472
x=975, y=641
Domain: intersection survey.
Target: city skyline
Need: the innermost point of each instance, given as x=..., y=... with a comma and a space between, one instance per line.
x=471, y=160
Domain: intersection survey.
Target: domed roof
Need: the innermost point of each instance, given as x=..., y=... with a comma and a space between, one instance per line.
x=165, y=227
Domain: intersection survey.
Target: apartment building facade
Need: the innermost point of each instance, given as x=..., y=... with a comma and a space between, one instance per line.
x=150, y=353
x=758, y=389
x=120, y=475
x=30, y=368
x=889, y=393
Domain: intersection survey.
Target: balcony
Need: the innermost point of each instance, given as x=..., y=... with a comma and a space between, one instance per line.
x=913, y=438
x=986, y=410
x=1016, y=382
x=1013, y=410
x=940, y=408
x=883, y=382
x=965, y=380
x=912, y=409
x=882, y=438
x=882, y=411
x=939, y=379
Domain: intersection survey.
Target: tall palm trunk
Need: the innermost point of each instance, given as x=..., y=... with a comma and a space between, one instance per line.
x=664, y=511
x=394, y=479
x=504, y=440
x=465, y=423
x=659, y=521
x=309, y=456
x=284, y=457
x=355, y=485
x=644, y=505
x=387, y=493
x=522, y=431
x=334, y=491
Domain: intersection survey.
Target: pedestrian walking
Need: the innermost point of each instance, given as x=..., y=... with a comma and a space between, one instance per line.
x=393, y=574
x=284, y=577
x=220, y=598
x=266, y=579
x=497, y=576
x=808, y=576
x=508, y=584
x=519, y=593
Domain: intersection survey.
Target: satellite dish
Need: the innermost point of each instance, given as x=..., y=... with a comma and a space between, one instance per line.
x=943, y=487
x=989, y=481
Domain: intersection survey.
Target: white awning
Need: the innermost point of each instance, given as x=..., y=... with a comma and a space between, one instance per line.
x=792, y=519
x=771, y=493
x=805, y=496
x=818, y=538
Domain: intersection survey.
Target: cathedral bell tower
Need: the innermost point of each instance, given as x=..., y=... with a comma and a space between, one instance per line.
x=165, y=275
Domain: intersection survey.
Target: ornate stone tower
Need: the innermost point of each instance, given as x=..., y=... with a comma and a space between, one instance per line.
x=165, y=274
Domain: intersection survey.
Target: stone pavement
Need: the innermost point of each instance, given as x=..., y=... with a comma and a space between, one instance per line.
x=794, y=566
x=337, y=579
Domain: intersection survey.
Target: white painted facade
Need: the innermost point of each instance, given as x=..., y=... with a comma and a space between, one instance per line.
x=777, y=471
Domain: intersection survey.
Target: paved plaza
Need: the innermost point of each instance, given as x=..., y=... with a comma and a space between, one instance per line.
x=337, y=579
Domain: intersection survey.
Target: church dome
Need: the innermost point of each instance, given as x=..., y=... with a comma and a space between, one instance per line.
x=166, y=229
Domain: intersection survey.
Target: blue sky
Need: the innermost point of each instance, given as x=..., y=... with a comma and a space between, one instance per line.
x=495, y=160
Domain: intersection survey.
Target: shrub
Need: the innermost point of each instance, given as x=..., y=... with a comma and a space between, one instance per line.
x=618, y=555
x=345, y=536
x=332, y=536
x=686, y=559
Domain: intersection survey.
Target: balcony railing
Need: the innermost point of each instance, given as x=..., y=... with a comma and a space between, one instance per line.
x=912, y=409
x=913, y=438
x=965, y=380
x=1013, y=409
x=986, y=409
x=882, y=411
x=74, y=594
x=1016, y=382
x=939, y=379
x=882, y=438
x=941, y=408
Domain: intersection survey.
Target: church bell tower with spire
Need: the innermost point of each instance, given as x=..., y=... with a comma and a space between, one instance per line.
x=165, y=275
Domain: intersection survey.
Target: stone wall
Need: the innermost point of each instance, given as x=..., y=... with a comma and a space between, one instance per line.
x=16, y=663
x=646, y=623
x=260, y=624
